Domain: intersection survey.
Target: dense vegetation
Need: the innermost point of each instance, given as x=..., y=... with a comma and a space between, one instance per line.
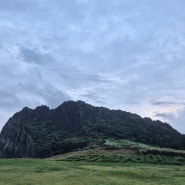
x=76, y=125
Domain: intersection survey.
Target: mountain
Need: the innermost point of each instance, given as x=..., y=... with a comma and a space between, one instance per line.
x=44, y=132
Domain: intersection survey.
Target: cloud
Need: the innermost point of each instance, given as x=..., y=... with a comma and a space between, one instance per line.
x=166, y=115
x=92, y=97
x=8, y=100
x=28, y=87
x=34, y=56
x=167, y=103
x=119, y=54
x=177, y=120
x=17, y=6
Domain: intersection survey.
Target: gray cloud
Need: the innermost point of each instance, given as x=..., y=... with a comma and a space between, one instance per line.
x=177, y=121
x=120, y=54
x=93, y=97
x=33, y=56
x=167, y=103
x=17, y=6
x=8, y=100
x=164, y=115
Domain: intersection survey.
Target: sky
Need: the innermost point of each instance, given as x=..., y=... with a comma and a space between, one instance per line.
x=121, y=54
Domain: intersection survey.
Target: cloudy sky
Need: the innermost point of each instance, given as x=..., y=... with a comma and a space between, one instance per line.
x=121, y=54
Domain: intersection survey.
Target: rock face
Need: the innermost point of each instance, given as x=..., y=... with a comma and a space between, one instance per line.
x=43, y=132
x=15, y=141
x=68, y=115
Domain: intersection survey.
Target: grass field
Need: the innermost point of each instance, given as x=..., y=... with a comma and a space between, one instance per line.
x=51, y=172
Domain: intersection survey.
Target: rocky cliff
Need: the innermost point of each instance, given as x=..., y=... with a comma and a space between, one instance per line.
x=15, y=141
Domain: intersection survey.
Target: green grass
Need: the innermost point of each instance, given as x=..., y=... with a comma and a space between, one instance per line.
x=50, y=172
x=122, y=143
x=122, y=158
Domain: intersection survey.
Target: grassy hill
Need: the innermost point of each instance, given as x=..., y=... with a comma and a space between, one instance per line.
x=123, y=151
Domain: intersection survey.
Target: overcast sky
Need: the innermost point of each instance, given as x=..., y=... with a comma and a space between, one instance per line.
x=121, y=54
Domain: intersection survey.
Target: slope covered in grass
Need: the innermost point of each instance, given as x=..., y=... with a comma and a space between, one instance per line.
x=126, y=151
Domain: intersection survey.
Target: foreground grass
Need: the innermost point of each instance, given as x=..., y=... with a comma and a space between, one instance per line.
x=48, y=172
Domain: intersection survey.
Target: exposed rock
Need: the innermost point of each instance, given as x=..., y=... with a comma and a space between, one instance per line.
x=15, y=141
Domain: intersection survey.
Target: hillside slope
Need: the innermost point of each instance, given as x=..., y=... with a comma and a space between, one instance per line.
x=74, y=125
